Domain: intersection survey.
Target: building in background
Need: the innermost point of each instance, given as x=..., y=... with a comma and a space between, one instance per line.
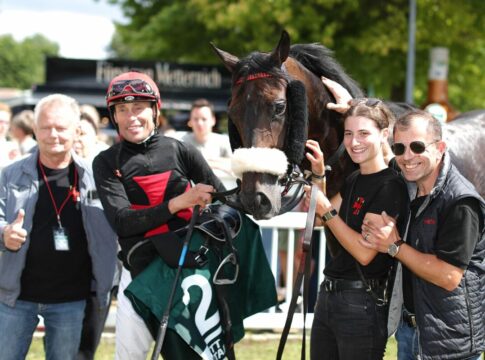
x=87, y=80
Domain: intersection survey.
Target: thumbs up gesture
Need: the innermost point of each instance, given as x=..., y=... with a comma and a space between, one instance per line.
x=14, y=234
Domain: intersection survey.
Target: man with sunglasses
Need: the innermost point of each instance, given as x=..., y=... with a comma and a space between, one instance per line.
x=144, y=185
x=443, y=252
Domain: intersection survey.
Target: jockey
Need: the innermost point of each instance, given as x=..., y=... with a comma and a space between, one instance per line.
x=144, y=183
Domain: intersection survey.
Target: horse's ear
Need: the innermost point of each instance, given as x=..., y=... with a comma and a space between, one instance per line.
x=229, y=60
x=282, y=50
x=297, y=122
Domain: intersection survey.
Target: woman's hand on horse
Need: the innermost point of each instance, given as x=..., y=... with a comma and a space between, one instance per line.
x=200, y=194
x=341, y=95
x=315, y=156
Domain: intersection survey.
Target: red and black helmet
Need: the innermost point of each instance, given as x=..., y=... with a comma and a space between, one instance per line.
x=129, y=87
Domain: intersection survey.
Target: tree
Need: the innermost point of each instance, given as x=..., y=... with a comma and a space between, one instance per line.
x=369, y=37
x=22, y=63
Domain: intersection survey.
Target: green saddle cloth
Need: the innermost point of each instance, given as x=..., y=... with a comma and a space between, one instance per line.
x=194, y=315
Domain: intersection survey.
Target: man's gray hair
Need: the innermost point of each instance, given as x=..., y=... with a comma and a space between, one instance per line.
x=62, y=101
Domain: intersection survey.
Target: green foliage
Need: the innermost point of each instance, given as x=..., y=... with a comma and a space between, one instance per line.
x=369, y=37
x=22, y=63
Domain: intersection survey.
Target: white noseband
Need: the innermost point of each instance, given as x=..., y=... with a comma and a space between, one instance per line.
x=260, y=160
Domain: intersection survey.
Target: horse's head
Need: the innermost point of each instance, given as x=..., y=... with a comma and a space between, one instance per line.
x=266, y=129
x=277, y=102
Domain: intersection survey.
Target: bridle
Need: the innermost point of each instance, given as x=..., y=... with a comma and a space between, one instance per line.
x=294, y=178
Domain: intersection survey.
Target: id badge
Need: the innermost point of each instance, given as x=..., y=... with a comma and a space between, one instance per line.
x=61, y=240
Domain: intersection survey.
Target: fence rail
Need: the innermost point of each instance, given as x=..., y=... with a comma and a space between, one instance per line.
x=291, y=223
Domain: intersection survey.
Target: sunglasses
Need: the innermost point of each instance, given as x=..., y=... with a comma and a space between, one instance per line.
x=369, y=102
x=130, y=87
x=417, y=147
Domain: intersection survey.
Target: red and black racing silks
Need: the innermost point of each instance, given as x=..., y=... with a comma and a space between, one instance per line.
x=152, y=173
x=155, y=187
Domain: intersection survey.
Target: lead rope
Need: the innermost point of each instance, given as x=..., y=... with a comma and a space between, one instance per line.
x=303, y=275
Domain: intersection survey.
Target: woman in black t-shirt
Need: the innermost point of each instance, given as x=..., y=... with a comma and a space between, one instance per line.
x=350, y=320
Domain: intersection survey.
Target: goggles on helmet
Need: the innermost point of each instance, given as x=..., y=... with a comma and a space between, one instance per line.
x=130, y=87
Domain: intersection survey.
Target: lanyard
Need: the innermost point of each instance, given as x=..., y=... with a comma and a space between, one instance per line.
x=72, y=193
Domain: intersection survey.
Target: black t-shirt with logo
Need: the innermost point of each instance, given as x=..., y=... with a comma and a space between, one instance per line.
x=457, y=238
x=374, y=193
x=50, y=275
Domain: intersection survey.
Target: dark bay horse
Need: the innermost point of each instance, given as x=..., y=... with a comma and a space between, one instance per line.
x=278, y=101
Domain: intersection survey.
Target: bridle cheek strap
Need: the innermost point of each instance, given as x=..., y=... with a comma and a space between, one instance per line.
x=260, y=160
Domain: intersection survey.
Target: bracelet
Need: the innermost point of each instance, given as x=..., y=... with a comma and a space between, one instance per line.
x=318, y=177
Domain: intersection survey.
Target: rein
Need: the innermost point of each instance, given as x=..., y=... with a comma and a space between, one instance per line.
x=292, y=178
x=304, y=274
x=222, y=195
x=226, y=197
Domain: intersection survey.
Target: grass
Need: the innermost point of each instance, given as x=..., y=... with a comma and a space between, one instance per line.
x=251, y=347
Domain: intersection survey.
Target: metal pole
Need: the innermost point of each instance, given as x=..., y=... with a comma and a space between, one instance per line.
x=411, y=52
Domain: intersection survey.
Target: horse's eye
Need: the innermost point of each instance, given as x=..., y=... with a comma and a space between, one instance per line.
x=279, y=108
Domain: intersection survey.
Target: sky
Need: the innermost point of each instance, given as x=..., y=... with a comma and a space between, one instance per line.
x=82, y=28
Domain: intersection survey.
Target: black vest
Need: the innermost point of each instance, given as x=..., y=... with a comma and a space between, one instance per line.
x=451, y=323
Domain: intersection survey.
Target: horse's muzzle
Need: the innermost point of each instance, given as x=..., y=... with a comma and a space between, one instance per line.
x=260, y=195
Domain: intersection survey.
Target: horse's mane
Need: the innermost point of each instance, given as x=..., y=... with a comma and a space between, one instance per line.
x=320, y=61
x=315, y=57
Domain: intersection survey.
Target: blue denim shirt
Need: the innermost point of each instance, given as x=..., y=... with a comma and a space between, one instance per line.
x=19, y=186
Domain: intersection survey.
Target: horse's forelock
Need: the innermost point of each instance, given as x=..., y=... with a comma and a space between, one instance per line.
x=258, y=62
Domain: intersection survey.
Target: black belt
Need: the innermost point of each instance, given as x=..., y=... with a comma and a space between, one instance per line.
x=409, y=318
x=332, y=285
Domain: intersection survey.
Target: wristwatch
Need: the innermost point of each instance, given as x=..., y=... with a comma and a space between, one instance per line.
x=393, y=249
x=329, y=215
